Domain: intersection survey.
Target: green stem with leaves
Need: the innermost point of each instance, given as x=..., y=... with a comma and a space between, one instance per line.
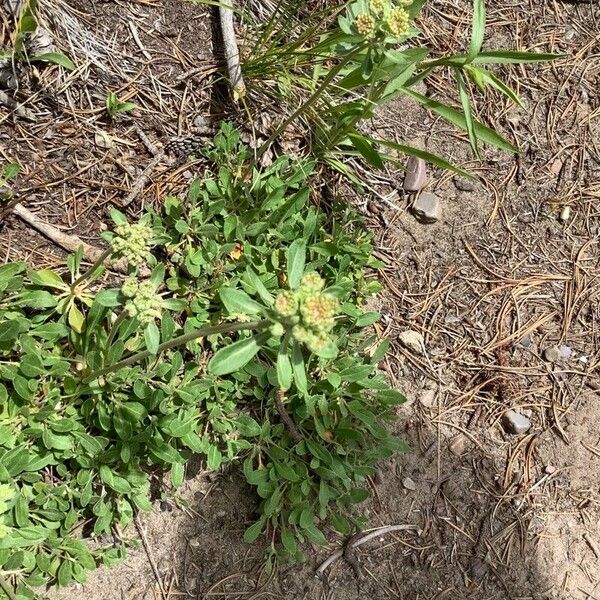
x=178, y=341
x=98, y=263
x=308, y=104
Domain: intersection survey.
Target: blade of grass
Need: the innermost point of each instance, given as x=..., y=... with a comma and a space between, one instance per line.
x=489, y=136
x=478, y=28
x=466, y=104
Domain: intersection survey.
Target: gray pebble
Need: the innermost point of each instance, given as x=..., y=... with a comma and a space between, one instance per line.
x=416, y=174
x=525, y=342
x=427, y=208
x=463, y=184
x=515, y=422
x=565, y=352
x=409, y=484
x=552, y=354
x=412, y=340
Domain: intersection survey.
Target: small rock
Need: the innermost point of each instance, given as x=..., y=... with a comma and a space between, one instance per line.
x=187, y=175
x=458, y=445
x=550, y=469
x=427, y=208
x=525, y=342
x=412, y=340
x=221, y=514
x=565, y=214
x=416, y=174
x=515, y=422
x=428, y=398
x=103, y=140
x=463, y=184
x=409, y=484
x=194, y=542
x=552, y=354
x=565, y=352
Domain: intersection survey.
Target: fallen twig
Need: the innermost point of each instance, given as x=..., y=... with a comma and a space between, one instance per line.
x=68, y=242
x=232, y=53
x=151, y=560
x=142, y=180
x=359, y=541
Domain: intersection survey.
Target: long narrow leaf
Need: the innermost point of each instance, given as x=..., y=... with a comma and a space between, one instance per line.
x=513, y=57
x=466, y=104
x=478, y=28
x=427, y=156
x=457, y=118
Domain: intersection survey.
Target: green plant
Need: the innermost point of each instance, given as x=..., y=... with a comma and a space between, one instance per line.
x=252, y=349
x=339, y=64
x=115, y=106
x=26, y=25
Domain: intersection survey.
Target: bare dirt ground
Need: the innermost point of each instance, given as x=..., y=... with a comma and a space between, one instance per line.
x=503, y=277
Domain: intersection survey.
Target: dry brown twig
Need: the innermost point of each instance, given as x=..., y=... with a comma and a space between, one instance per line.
x=70, y=243
x=232, y=53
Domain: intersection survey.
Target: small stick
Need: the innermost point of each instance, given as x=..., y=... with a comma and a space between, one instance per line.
x=285, y=417
x=359, y=541
x=232, y=53
x=151, y=560
x=142, y=180
x=136, y=39
x=146, y=141
x=592, y=544
x=70, y=243
x=5, y=587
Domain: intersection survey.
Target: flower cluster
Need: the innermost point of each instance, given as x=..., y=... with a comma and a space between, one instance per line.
x=144, y=303
x=132, y=241
x=365, y=25
x=384, y=16
x=398, y=22
x=309, y=312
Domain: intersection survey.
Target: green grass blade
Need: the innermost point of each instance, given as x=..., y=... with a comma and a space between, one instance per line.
x=478, y=28
x=415, y=8
x=502, y=87
x=434, y=159
x=466, y=104
x=513, y=57
x=489, y=136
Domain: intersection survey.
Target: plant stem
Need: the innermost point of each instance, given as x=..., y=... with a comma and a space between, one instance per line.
x=178, y=341
x=304, y=107
x=91, y=270
x=114, y=328
x=7, y=589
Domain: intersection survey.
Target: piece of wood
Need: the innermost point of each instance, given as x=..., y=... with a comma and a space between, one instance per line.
x=232, y=53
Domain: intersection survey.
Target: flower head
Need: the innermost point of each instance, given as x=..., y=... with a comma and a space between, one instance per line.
x=132, y=240
x=286, y=304
x=398, y=22
x=146, y=305
x=312, y=282
x=377, y=7
x=318, y=311
x=365, y=24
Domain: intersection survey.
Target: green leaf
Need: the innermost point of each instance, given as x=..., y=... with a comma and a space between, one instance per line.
x=484, y=76
x=296, y=257
x=251, y=534
x=247, y=426
x=177, y=473
x=478, y=28
x=284, y=368
x=299, y=369
x=288, y=539
x=152, y=338
x=455, y=117
x=76, y=319
x=286, y=472
x=237, y=302
x=57, y=58
x=214, y=458
x=466, y=104
x=366, y=150
x=47, y=278
x=235, y=356
x=359, y=495
x=415, y=8
x=513, y=57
